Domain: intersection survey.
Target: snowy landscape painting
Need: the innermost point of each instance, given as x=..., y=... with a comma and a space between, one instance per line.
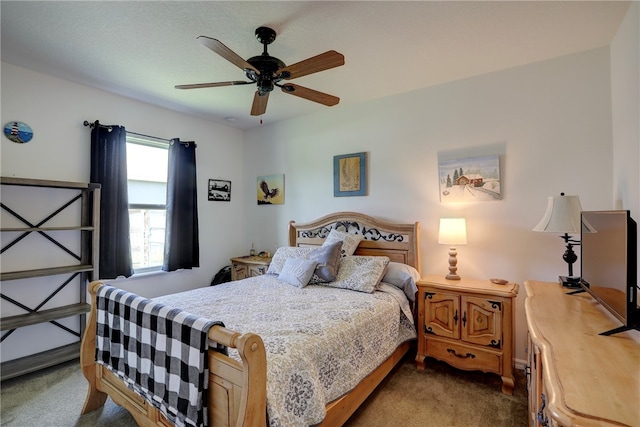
x=472, y=179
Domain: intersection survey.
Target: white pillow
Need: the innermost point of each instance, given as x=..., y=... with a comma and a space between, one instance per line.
x=285, y=252
x=360, y=273
x=297, y=271
x=403, y=277
x=349, y=241
x=327, y=258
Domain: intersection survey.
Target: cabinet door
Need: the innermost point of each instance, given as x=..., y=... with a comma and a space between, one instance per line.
x=481, y=321
x=442, y=314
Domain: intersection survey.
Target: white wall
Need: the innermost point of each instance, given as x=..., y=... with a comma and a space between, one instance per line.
x=55, y=109
x=550, y=122
x=625, y=88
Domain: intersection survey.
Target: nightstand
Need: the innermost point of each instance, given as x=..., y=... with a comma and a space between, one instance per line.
x=467, y=323
x=249, y=266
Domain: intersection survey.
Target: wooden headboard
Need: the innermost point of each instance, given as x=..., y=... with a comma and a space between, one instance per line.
x=399, y=242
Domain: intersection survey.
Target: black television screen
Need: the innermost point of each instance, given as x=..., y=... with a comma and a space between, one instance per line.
x=609, y=263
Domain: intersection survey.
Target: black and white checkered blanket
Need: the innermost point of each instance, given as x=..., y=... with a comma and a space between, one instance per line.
x=159, y=351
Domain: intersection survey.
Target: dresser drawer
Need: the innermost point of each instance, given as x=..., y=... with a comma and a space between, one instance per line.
x=464, y=357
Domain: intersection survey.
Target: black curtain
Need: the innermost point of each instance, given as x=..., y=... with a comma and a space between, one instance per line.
x=109, y=169
x=181, y=247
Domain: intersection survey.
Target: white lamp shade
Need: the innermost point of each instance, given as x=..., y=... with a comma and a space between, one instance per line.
x=453, y=231
x=562, y=215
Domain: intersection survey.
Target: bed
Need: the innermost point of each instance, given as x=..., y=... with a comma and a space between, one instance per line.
x=240, y=380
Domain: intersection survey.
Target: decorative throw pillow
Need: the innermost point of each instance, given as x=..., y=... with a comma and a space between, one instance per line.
x=328, y=261
x=360, y=273
x=349, y=241
x=285, y=252
x=403, y=277
x=297, y=271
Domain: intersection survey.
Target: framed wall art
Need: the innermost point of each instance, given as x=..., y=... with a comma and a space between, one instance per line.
x=219, y=190
x=18, y=132
x=270, y=190
x=350, y=175
x=471, y=179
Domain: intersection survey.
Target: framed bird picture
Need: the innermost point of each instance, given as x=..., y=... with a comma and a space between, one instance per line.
x=270, y=190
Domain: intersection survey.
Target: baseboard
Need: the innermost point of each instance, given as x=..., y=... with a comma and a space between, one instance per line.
x=520, y=364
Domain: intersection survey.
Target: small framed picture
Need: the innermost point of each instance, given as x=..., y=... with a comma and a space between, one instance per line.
x=350, y=175
x=219, y=190
x=270, y=190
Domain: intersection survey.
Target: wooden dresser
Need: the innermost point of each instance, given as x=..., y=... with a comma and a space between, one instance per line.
x=576, y=376
x=249, y=266
x=468, y=324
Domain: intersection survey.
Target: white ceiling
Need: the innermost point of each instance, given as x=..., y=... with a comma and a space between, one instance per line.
x=141, y=49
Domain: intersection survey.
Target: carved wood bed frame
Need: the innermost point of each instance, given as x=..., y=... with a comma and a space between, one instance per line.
x=237, y=391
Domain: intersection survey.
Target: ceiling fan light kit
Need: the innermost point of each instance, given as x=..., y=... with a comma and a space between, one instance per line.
x=267, y=72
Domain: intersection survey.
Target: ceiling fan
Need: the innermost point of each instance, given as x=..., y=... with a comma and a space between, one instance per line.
x=268, y=71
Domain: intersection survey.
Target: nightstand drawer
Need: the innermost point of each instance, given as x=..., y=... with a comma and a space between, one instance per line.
x=257, y=270
x=464, y=357
x=251, y=266
x=239, y=271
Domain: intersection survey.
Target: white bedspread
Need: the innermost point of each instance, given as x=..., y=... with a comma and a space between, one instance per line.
x=320, y=341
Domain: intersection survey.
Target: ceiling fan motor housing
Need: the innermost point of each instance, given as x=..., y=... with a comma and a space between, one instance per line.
x=265, y=63
x=268, y=66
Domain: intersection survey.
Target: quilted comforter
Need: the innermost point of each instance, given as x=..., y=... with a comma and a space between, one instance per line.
x=320, y=341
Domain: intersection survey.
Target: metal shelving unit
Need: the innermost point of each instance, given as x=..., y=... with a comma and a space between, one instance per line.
x=88, y=195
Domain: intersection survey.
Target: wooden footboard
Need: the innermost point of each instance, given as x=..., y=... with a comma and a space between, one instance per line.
x=341, y=409
x=237, y=391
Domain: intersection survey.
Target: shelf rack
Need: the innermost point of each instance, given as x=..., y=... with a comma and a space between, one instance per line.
x=88, y=195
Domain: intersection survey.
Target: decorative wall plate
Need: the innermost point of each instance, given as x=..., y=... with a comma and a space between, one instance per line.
x=18, y=132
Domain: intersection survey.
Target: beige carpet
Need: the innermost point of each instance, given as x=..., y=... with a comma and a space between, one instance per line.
x=440, y=396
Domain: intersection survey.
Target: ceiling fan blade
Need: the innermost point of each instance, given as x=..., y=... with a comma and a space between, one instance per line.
x=218, y=84
x=259, y=105
x=324, y=61
x=310, y=94
x=226, y=53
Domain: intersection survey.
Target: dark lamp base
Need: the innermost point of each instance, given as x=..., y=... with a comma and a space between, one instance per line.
x=569, y=281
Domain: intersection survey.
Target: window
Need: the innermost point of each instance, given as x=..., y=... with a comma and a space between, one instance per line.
x=147, y=164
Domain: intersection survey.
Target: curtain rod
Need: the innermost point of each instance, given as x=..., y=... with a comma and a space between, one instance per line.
x=92, y=125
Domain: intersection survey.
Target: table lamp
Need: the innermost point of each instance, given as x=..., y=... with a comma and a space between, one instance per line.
x=453, y=232
x=563, y=216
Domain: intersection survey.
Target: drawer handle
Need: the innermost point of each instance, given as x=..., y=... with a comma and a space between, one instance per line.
x=466, y=356
x=542, y=418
